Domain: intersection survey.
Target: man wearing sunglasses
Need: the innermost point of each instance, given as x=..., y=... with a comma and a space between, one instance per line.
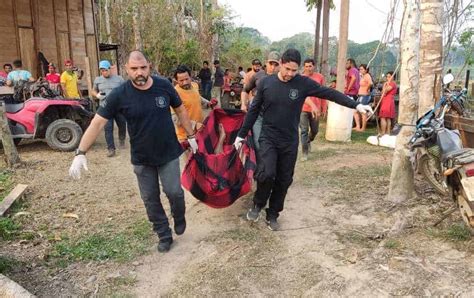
x=103, y=84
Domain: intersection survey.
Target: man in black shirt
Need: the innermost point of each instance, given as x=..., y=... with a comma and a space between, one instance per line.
x=206, y=82
x=218, y=82
x=145, y=102
x=280, y=97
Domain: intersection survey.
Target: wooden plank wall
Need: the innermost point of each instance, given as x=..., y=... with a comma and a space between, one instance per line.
x=60, y=29
x=9, y=40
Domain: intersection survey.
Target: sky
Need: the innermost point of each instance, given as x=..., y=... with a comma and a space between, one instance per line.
x=278, y=19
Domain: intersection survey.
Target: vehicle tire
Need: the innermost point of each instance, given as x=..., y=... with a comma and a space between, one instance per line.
x=63, y=135
x=430, y=169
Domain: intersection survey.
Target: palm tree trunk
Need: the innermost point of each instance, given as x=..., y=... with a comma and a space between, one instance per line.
x=324, y=68
x=317, y=32
x=339, y=123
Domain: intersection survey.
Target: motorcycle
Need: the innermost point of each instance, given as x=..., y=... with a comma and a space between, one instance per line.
x=440, y=157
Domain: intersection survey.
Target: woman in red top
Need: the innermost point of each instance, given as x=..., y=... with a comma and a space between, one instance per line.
x=225, y=99
x=387, y=104
x=53, y=78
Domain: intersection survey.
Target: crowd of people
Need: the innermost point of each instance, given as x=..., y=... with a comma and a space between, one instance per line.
x=65, y=84
x=273, y=101
x=283, y=107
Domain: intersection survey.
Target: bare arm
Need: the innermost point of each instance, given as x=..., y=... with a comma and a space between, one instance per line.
x=184, y=119
x=63, y=86
x=353, y=79
x=89, y=137
x=314, y=109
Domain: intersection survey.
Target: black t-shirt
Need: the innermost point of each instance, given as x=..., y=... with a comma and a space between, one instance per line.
x=282, y=102
x=205, y=75
x=219, y=77
x=152, y=135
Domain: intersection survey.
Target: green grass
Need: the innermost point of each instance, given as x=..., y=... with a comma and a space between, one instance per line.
x=457, y=232
x=105, y=245
x=8, y=228
x=7, y=264
x=6, y=184
x=392, y=244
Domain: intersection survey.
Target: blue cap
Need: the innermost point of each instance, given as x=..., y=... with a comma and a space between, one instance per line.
x=104, y=64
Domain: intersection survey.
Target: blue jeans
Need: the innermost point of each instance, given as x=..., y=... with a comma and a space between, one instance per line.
x=149, y=183
x=364, y=99
x=206, y=88
x=109, y=130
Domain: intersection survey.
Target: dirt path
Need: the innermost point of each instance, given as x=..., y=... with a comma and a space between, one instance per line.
x=333, y=239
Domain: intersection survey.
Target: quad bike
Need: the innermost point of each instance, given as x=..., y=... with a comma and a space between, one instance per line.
x=440, y=157
x=44, y=115
x=231, y=99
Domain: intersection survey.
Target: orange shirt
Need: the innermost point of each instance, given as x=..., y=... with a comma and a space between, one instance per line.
x=320, y=103
x=192, y=103
x=365, y=83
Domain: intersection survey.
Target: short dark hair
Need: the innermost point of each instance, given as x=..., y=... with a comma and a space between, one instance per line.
x=240, y=68
x=392, y=74
x=309, y=60
x=181, y=69
x=249, y=69
x=291, y=55
x=7, y=64
x=17, y=63
x=206, y=62
x=352, y=61
x=216, y=62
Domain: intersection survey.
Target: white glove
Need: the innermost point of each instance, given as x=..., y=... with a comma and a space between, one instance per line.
x=79, y=162
x=238, y=143
x=364, y=109
x=193, y=144
x=100, y=96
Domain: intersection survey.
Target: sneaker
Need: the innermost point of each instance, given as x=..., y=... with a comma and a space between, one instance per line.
x=180, y=226
x=254, y=213
x=304, y=157
x=273, y=224
x=122, y=144
x=165, y=244
x=111, y=152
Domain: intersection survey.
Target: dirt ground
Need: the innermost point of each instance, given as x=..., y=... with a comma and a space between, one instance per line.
x=334, y=239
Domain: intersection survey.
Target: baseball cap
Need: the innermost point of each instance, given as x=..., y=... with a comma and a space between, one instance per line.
x=256, y=62
x=104, y=64
x=273, y=57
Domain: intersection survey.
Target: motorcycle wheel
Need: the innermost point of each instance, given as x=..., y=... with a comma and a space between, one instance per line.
x=63, y=135
x=430, y=169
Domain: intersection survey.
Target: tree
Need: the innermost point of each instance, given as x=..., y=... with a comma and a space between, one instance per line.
x=339, y=123
x=11, y=154
x=401, y=179
x=431, y=54
x=324, y=66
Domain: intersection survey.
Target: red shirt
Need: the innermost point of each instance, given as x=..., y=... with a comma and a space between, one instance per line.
x=320, y=103
x=53, y=78
x=227, y=80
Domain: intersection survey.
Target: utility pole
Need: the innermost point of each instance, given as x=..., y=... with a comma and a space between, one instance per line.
x=339, y=123
x=317, y=34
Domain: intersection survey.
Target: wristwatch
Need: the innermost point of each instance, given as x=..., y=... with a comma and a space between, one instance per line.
x=79, y=152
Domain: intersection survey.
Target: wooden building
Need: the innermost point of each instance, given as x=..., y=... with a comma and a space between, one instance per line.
x=59, y=29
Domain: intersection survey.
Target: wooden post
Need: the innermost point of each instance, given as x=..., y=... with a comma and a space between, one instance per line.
x=11, y=154
x=87, y=63
x=339, y=123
